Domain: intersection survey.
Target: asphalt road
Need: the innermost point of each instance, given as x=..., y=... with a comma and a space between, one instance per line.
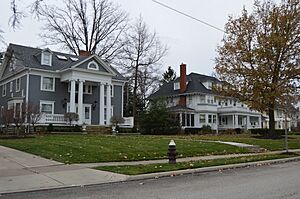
x=267, y=182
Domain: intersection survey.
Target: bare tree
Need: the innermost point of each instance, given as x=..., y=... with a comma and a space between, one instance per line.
x=142, y=56
x=34, y=114
x=96, y=26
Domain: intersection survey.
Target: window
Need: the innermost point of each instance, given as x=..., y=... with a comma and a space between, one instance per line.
x=192, y=120
x=4, y=90
x=209, y=119
x=93, y=65
x=47, y=107
x=190, y=99
x=62, y=57
x=105, y=114
x=112, y=90
x=47, y=84
x=176, y=85
x=202, y=118
x=18, y=84
x=87, y=89
x=1, y=111
x=214, y=119
x=202, y=98
x=46, y=58
x=11, y=87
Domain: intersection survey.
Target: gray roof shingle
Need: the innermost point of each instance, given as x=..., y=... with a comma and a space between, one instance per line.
x=29, y=57
x=194, y=86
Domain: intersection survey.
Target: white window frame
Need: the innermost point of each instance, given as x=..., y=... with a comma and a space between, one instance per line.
x=3, y=90
x=45, y=54
x=93, y=62
x=201, y=119
x=11, y=85
x=47, y=103
x=176, y=86
x=18, y=84
x=42, y=88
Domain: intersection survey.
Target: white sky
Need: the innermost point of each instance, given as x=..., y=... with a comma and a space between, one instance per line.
x=189, y=41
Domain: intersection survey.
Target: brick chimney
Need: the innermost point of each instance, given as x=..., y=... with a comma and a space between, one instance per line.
x=85, y=53
x=182, y=78
x=182, y=100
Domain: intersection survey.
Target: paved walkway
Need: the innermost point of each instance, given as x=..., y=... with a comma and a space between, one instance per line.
x=21, y=171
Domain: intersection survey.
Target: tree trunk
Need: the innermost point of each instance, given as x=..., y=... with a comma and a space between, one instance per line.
x=271, y=122
x=134, y=103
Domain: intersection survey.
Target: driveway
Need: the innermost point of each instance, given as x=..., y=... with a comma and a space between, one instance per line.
x=21, y=171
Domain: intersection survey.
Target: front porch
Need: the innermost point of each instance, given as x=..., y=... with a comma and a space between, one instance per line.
x=242, y=121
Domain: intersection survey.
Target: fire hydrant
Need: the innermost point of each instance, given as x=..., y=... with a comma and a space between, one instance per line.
x=172, y=152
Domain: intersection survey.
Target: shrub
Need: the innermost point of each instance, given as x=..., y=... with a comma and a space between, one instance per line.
x=159, y=120
x=50, y=128
x=192, y=130
x=266, y=133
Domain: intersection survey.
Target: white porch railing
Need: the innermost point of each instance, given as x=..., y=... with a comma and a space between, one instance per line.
x=52, y=118
x=128, y=122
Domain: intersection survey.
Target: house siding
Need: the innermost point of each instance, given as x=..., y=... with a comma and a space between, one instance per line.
x=117, y=100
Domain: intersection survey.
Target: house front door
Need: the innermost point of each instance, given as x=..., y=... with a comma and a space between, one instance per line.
x=87, y=113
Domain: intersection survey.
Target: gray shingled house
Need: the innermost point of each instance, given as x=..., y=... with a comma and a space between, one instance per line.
x=60, y=83
x=191, y=97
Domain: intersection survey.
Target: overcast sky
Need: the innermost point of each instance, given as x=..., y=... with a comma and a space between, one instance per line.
x=189, y=41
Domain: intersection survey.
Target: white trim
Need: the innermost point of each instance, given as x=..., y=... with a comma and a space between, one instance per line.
x=112, y=90
x=122, y=101
x=18, y=84
x=27, y=88
x=93, y=62
x=43, y=89
x=4, y=90
x=12, y=78
x=47, y=102
x=44, y=53
x=11, y=85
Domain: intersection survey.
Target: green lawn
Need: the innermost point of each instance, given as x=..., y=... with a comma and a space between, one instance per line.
x=93, y=148
x=277, y=144
x=153, y=168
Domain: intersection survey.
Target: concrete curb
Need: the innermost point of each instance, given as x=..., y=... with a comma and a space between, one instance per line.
x=167, y=174
x=210, y=169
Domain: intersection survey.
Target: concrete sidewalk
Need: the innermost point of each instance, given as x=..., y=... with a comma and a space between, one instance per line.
x=21, y=171
x=188, y=159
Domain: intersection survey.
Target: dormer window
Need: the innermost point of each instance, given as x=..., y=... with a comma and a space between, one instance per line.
x=176, y=85
x=93, y=66
x=46, y=58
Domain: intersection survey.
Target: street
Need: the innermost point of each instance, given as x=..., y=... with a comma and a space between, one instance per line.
x=264, y=182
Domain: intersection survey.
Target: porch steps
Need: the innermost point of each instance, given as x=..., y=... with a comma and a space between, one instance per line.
x=98, y=129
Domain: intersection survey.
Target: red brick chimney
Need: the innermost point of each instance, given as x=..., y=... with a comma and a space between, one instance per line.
x=182, y=100
x=85, y=53
x=182, y=78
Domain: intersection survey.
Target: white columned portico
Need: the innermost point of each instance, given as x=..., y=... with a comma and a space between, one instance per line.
x=248, y=122
x=108, y=104
x=72, y=96
x=80, y=102
x=101, y=103
x=259, y=122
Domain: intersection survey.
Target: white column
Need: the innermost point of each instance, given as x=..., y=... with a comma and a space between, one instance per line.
x=248, y=122
x=72, y=97
x=259, y=122
x=80, y=102
x=101, y=103
x=236, y=121
x=108, y=104
x=233, y=121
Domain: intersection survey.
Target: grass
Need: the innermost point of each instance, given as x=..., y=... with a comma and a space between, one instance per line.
x=153, y=168
x=93, y=148
x=269, y=144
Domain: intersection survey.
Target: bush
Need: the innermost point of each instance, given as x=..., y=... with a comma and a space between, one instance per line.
x=50, y=128
x=266, y=133
x=158, y=120
x=192, y=131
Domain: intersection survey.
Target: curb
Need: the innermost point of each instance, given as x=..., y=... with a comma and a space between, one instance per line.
x=210, y=169
x=167, y=174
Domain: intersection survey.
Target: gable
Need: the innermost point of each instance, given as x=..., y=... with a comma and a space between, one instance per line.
x=11, y=64
x=94, y=64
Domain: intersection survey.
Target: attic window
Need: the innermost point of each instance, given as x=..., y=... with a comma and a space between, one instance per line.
x=93, y=66
x=46, y=58
x=176, y=85
x=74, y=58
x=62, y=57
